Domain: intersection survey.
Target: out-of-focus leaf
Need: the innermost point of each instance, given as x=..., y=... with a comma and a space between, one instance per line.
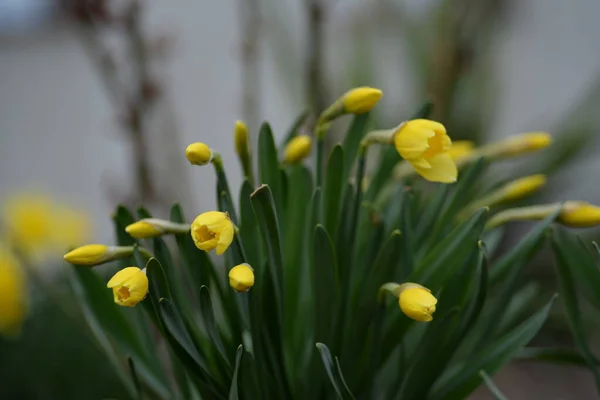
x=233, y=390
x=268, y=164
x=492, y=386
x=332, y=191
x=334, y=374
x=208, y=317
x=356, y=132
x=557, y=355
x=326, y=283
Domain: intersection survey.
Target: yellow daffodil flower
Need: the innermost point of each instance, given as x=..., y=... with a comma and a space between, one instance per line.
x=129, y=286
x=361, y=100
x=523, y=187
x=579, y=214
x=241, y=277
x=13, y=294
x=212, y=230
x=460, y=149
x=241, y=138
x=90, y=254
x=417, y=302
x=198, y=153
x=425, y=145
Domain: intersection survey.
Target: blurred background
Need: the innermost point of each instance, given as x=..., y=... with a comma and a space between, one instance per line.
x=99, y=98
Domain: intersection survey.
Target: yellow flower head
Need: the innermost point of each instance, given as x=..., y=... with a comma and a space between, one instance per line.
x=361, y=100
x=297, y=149
x=241, y=137
x=143, y=229
x=523, y=187
x=579, y=214
x=13, y=294
x=212, y=230
x=425, y=145
x=417, y=302
x=241, y=277
x=461, y=148
x=198, y=153
x=129, y=286
x=89, y=254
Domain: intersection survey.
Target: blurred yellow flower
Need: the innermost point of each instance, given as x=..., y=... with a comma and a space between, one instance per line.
x=13, y=293
x=241, y=138
x=37, y=225
x=212, y=230
x=297, y=149
x=579, y=214
x=129, y=286
x=241, y=277
x=425, y=145
x=417, y=302
x=461, y=148
x=198, y=153
x=361, y=100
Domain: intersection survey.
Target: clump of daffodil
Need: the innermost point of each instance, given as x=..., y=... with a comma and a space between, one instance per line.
x=575, y=214
x=13, y=293
x=154, y=227
x=297, y=149
x=415, y=301
x=198, y=153
x=212, y=230
x=241, y=277
x=95, y=254
x=38, y=225
x=359, y=100
x=129, y=286
x=425, y=145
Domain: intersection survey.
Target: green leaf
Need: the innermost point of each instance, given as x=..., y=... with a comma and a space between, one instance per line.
x=557, y=355
x=326, y=283
x=134, y=377
x=249, y=226
x=208, y=317
x=332, y=190
x=566, y=261
x=459, y=383
x=268, y=164
x=492, y=386
x=356, y=132
x=233, y=391
x=158, y=285
x=334, y=373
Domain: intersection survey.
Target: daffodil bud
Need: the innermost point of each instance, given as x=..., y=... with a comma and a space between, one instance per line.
x=241, y=277
x=198, y=153
x=575, y=214
x=425, y=145
x=153, y=227
x=13, y=294
x=297, y=149
x=417, y=302
x=579, y=214
x=212, y=230
x=129, y=286
x=512, y=146
x=95, y=254
x=361, y=100
x=523, y=187
x=241, y=139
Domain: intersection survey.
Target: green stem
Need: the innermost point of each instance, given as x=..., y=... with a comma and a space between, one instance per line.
x=319, y=160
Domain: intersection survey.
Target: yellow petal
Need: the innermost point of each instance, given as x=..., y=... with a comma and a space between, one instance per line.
x=442, y=169
x=123, y=276
x=225, y=238
x=412, y=143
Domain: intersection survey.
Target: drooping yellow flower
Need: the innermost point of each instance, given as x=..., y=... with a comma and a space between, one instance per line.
x=297, y=149
x=417, y=302
x=579, y=214
x=241, y=277
x=461, y=148
x=425, y=145
x=523, y=187
x=212, y=230
x=361, y=100
x=143, y=230
x=90, y=254
x=13, y=294
x=38, y=225
x=198, y=153
x=129, y=286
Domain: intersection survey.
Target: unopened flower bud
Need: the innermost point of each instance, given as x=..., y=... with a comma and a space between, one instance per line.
x=297, y=149
x=241, y=277
x=198, y=153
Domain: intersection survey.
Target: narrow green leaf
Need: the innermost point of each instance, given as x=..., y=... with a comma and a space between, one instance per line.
x=332, y=190
x=326, y=283
x=158, y=284
x=208, y=317
x=334, y=374
x=249, y=226
x=558, y=355
x=356, y=132
x=566, y=262
x=461, y=382
x=492, y=386
x=134, y=377
x=268, y=164
x=233, y=391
